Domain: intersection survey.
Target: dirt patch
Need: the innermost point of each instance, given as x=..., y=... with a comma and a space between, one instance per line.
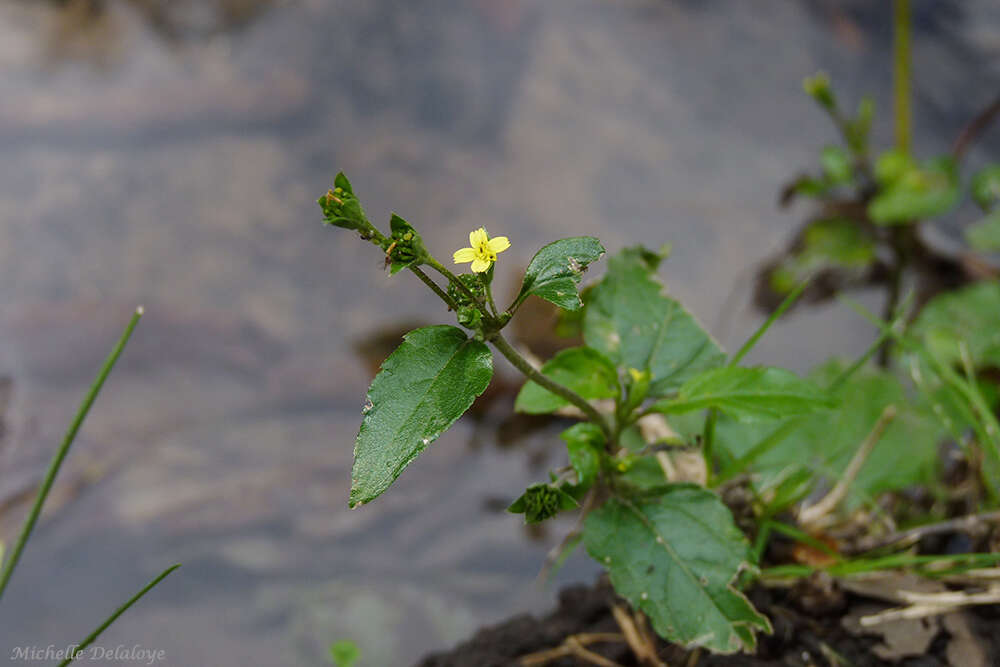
x=805, y=635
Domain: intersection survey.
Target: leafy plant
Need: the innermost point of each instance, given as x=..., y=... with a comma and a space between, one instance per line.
x=671, y=548
x=871, y=204
x=649, y=386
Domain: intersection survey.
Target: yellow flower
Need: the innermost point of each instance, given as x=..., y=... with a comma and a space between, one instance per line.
x=483, y=251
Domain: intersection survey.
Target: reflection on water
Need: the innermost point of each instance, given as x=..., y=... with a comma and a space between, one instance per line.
x=181, y=173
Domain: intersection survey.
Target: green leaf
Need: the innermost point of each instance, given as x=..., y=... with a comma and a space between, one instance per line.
x=675, y=558
x=857, y=130
x=986, y=186
x=640, y=475
x=344, y=653
x=423, y=387
x=891, y=166
x=839, y=244
x=984, y=235
x=824, y=444
x=970, y=315
x=556, y=269
x=584, y=442
x=542, y=501
x=836, y=164
x=917, y=193
x=584, y=370
x=748, y=393
x=634, y=324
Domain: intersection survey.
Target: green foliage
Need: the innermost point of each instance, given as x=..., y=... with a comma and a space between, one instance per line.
x=344, y=653
x=676, y=557
x=905, y=455
x=970, y=317
x=748, y=393
x=986, y=186
x=423, y=387
x=828, y=244
x=634, y=324
x=584, y=370
x=584, y=443
x=542, y=501
x=837, y=165
x=673, y=549
x=556, y=270
x=984, y=235
x=913, y=192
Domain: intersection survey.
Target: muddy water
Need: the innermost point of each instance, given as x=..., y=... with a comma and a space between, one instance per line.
x=173, y=159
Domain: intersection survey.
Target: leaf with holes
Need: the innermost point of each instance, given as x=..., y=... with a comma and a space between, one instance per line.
x=556, y=270
x=423, y=387
x=676, y=557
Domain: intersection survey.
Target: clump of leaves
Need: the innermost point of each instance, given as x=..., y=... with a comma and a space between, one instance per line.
x=671, y=548
x=870, y=205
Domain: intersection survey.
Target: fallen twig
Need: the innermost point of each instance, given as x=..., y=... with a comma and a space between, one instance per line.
x=923, y=605
x=574, y=645
x=642, y=646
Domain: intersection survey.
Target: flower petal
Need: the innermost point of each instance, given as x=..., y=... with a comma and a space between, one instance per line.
x=499, y=244
x=464, y=255
x=480, y=265
x=478, y=237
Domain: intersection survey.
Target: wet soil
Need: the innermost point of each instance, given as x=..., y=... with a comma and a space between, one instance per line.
x=804, y=635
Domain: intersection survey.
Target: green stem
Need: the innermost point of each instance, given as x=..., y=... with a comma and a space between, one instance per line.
x=454, y=280
x=57, y=460
x=489, y=297
x=779, y=311
x=901, y=73
x=708, y=445
x=77, y=651
x=434, y=287
x=533, y=374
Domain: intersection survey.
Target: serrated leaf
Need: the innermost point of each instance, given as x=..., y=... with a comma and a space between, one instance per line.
x=748, y=393
x=584, y=370
x=424, y=386
x=584, y=442
x=676, y=558
x=970, y=315
x=986, y=186
x=984, y=235
x=556, y=270
x=634, y=324
x=918, y=193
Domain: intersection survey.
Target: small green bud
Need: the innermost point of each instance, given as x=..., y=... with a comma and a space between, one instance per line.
x=542, y=501
x=817, y=87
